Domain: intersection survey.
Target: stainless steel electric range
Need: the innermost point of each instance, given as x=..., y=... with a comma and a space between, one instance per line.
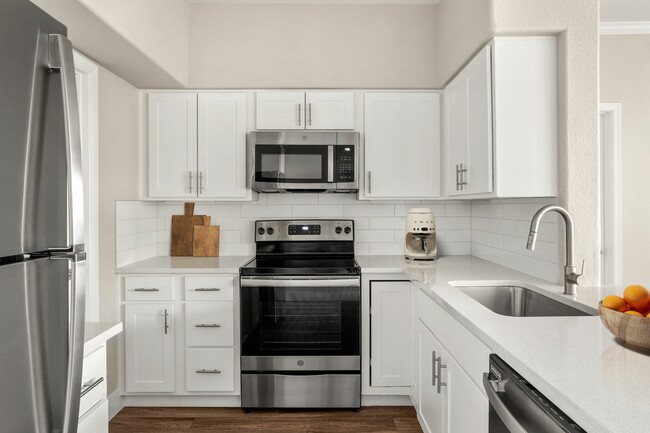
x=300, y=317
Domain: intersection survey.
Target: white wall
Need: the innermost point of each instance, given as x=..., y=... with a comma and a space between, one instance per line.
x=158, y=28
x=576, y=21
x=379, y=226
x=625, y=78
x=463, y=27
x=312, y=46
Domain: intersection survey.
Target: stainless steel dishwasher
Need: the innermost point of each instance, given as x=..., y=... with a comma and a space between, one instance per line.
x=517, y=407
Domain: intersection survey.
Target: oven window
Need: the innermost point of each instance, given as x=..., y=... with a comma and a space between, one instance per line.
x=291, y=164
x=295, y=320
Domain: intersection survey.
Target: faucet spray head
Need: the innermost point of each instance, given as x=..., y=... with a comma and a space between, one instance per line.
x=532, y=239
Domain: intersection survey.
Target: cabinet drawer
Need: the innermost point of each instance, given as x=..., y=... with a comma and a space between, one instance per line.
x=472, y=355
x=209, y=324
x=96, y=421
x=93, y=380
x=148, y=288
x=210, y=370
x=209, y=288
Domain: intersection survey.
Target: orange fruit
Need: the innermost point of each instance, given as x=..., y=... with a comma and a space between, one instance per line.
x=634, y=313
x=648, y=315
x=637, y=296
x=614, y=302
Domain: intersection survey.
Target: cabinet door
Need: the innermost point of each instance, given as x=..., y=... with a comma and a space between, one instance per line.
x=172, y=145
x=330, y=110
x=467, y=408
x=414, y=348
x=149, y=337
x=209, y=369
x=389, y=324
x=478, y=177
x=209, y=324
x=222, y=145
x=468, y=129
x=432, y=402
x=280, y=110
x=402, y=145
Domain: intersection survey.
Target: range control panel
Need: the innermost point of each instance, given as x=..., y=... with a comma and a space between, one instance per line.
x=304, y=230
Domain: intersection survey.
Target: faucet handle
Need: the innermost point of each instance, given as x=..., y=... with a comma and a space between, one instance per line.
x=572, y=275
x=582, y=269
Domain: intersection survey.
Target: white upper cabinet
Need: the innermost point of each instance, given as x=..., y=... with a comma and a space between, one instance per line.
x=468, y=120
x=501, y=121
x=305, y=110
x=197, y=146
x=402, y=145
x=222, y=145
x=172, y=145
x=330, y=110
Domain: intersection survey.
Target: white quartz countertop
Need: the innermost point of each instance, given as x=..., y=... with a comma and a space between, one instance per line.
x=573, y=361
x=97, y=333
x=184, y=265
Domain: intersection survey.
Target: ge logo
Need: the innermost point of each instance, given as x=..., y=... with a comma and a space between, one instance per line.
x=301, y=363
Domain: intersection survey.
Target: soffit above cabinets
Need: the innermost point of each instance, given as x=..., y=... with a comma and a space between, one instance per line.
x=391, y=2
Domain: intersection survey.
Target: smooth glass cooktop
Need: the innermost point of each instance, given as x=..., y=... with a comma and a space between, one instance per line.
x=301, y=266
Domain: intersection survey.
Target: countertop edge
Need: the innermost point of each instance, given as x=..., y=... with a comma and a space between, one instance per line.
x=102, y=332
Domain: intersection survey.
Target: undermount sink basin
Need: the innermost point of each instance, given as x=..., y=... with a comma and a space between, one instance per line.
x=519, y=302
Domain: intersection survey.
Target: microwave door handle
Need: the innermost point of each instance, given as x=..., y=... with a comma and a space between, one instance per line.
x=330, y=164
x=282, y=164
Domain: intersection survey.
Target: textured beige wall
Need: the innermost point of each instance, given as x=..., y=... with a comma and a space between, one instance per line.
x=463, y=27
x=625, y=79
x=577, y=23
x=312, y=46
x=158, y=28
x=118, y=180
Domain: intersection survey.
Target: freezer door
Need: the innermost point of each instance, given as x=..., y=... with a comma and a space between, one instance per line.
x=41, y=345
x=34, y=172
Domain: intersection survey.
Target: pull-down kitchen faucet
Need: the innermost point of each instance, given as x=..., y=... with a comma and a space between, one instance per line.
x=570, y=274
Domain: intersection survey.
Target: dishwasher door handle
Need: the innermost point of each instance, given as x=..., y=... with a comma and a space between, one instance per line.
x=500, y=408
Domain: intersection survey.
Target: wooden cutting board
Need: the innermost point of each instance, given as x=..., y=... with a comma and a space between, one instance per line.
x=206, y=241
x=183, y=230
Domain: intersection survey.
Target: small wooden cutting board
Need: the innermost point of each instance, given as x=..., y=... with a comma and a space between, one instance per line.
x=183, y=230
x=206, y=241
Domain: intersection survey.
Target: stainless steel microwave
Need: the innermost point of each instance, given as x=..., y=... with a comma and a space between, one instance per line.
x=304, y=161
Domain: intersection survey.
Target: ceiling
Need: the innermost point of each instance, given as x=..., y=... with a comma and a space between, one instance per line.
x=624, y=10
x=402, y=2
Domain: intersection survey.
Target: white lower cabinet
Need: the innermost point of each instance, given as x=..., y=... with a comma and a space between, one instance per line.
x=93, y=405
x=95, y=421
x=450, y=363
x=149, y=337
x=187, y=346
x=389, y=322
x=209, y=369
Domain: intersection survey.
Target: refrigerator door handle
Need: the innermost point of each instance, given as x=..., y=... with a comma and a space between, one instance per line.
x=61, y=60
x=76, y=318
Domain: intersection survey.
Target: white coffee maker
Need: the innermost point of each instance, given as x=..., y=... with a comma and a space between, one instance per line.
x=420, y=239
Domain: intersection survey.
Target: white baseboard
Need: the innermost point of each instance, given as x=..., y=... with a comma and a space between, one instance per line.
x=115, y=403
x=182, y=400
x=386, y=400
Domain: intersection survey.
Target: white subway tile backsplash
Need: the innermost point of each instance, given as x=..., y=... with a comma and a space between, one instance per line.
x=317, y=211
x=499, y=232
x=265, y=211
x=292, y=198
x=386, y=223
x=368, y=210
x=373, y=236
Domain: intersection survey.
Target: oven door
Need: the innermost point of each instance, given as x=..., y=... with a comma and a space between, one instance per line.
x=293, y=166
x=300, y=323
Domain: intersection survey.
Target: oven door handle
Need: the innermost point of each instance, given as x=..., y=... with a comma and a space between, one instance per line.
x=270, y=282
x=500, y=408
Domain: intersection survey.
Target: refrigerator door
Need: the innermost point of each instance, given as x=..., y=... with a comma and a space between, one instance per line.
x=40, y=356
x=34, y=133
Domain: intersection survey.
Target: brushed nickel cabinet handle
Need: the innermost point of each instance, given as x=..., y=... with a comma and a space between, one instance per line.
x=462, y=177
x=369, y=182
x=146, y=289
x=90, y=385
x=440, y=382
x=189, y=176
x=207, y=325
x=200, y=182
x=309, y=106
x=207, y=289
x=299, y=114
x=166, y=323
x=204, y=371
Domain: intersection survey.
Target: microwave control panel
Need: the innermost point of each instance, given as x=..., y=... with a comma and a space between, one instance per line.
x=345, y=165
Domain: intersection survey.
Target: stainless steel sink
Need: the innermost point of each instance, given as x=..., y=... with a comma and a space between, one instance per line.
x=520, y=302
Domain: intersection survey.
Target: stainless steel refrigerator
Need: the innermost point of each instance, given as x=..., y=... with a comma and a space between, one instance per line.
x=42, y=259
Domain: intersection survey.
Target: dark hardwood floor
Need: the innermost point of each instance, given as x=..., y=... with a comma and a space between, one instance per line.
x=234, y=420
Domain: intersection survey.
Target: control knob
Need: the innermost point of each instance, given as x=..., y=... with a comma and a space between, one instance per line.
x=347, y=230
x=269, y=231
x=260, y=230
x=338, y=230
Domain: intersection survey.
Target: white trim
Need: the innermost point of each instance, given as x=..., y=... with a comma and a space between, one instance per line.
x=625, y=28
x=115, y=403
x=363, y=2
x=611, y=202
x=87, y=73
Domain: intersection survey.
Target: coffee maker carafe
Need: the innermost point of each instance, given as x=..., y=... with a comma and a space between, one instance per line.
x=420, y=239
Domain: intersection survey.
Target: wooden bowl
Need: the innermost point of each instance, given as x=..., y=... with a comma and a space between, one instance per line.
x=630, y=331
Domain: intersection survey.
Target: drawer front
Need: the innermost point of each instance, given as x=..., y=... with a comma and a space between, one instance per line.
x=210, y=370
x=93, y=380
x=209, y=288
x=209, y=324
x=148, y=288
x=472, y=355
x=96, y=421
